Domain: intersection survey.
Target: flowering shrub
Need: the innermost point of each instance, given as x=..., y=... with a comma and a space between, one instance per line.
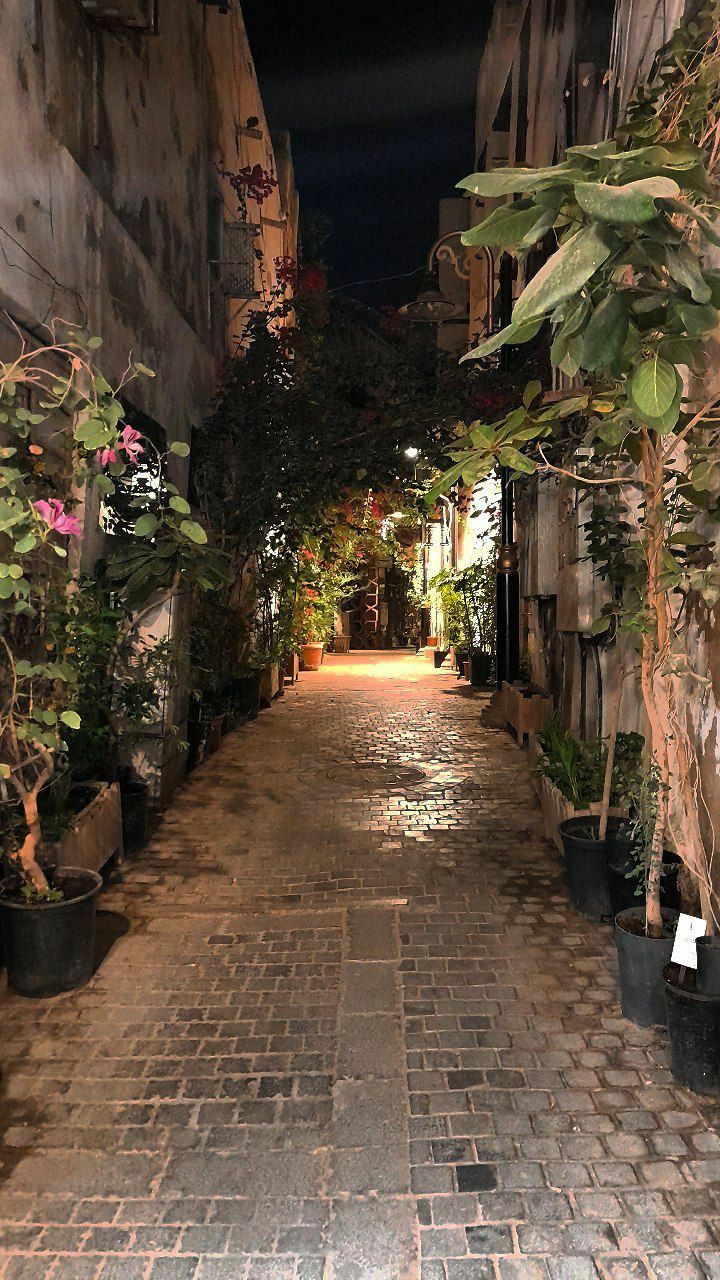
x=61, y=427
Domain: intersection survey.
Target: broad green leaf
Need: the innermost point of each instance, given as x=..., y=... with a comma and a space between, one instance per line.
x=710, y=229
x=531, y=392
x=684, y=268
x=697, y=320
x=605, y=333
x=94, y=343
x=513, y=334
x=180, y=449
x=634, y=202
x=679, y=350
x=506, y=182
x=509, y=457
x=565, y=273
x=193, y=531
x=179, y=504
x=145, y=525
x=653, y=387
x=71, y=719
x=600, y=625
x=505, y=226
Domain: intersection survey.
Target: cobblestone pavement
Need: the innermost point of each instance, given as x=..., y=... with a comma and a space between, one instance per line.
x=354, y=1032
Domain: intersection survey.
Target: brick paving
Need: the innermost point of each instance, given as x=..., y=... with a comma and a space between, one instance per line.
x=348, y=1028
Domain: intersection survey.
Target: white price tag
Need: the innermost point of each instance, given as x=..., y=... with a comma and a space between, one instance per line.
x=688, y=929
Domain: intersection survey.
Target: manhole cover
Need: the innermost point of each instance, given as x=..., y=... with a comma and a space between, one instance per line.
x=376, y=777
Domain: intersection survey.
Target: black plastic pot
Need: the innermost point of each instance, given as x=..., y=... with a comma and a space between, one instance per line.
x=622, y=887
x=197, y=732
x=693, y=1022
x=642, y=960
x=586, y=862
x=439, y=657
x=708, y=965
x=480, y=668
x=50, y=946
x=134, y=799
x=461, y=657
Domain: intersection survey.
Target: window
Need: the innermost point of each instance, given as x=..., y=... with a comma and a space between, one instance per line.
x=237, y=261
x=135, y=15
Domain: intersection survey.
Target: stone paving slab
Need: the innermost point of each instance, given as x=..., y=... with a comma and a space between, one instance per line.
x=351, y=1031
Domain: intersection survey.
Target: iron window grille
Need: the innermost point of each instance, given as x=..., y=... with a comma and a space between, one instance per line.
x=236, y=268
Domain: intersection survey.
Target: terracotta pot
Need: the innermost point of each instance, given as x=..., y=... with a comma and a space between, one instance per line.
x=311, y=655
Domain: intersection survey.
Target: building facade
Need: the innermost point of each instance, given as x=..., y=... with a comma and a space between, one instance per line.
x=144, y=200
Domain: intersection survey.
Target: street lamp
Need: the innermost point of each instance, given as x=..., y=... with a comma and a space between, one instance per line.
x=432, y=306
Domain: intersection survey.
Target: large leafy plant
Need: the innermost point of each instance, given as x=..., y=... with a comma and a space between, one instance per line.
x=61, y=428
x=630, y=301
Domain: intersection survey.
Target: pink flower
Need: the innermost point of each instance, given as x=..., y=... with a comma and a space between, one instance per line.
x=128, y=443
x=55, y=517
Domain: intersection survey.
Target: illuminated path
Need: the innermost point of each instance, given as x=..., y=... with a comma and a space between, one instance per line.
x=354, y=1032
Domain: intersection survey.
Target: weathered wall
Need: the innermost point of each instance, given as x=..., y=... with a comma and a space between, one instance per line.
x=109, y=154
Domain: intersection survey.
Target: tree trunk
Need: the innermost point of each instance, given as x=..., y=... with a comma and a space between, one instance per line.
x=653, y=677
x=27, y=853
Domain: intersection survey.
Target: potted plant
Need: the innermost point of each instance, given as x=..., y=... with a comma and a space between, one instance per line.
x=569, y=775
x=47, y=912
x=630, y=300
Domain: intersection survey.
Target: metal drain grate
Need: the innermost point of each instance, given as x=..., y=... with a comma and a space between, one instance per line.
x=376, y=777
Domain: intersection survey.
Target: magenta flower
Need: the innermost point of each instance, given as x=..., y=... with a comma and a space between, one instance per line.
x=127, y=443
x=55, y=517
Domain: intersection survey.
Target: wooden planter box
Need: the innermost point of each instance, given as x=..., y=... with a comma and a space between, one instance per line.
x=555, y=807
x=290, y=668
x=269, y=684
x=525, y=715
x=96, y=833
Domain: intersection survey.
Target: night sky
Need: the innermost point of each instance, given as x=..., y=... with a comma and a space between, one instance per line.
x=379, y=99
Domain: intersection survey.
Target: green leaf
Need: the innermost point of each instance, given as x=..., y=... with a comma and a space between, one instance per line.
x=193, y=531
x=697, y=320
x=179, y=504
x=145, y=526
x=605, y=333
x=684, y=268
x=513, y=334
x=509, y=457
x=565, y=273
x=71, y=719
x=505, y=182
x=710, y=229
x=94, y=343
x=634, y=202
x=600, y=625
x=531, y=392
x=505, y=226
x=180, y=449
x=653, y=387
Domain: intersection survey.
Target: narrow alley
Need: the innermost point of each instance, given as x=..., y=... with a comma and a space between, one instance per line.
x=349, y=1027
